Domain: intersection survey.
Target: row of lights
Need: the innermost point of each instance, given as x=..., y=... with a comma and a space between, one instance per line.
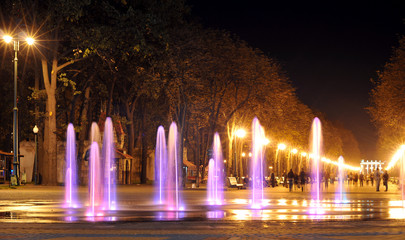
x=28, y=40
x=241, y=133
x=282, y=146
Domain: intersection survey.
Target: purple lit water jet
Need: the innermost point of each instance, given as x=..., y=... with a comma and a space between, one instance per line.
x=109, y=168
x=95, y=181
x=71, y=169
x=216, y=174
x=160, y=165
x=257, y=164
x=174, y=178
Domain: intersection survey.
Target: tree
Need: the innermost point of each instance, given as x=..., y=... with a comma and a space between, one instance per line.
x=388, y=101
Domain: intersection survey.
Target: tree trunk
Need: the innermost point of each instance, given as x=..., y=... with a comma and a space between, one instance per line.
x=144, y=148
x=50, y=140
x=50, y=145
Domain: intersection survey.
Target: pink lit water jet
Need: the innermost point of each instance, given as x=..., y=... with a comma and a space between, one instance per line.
x=160, y=165
x=257, y=164
x=109, y=167
x=174, y=176
x=71, y=199
x=215, y=184
x=95, y=181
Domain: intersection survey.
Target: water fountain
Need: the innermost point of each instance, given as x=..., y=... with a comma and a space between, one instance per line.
x=402, y=175
x=216, y=174
x=341, y=175
x=316, y=137
x=174, y=176
x=95, y=133
x=316, y=178
x=71, y=200
x=95, y=181
x=109, y=168
x=160, y=165
x=257, y=164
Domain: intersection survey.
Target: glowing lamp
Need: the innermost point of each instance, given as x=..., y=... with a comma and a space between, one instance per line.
x=281, y=146
x=7, y=38
x=240, y=133
x=30, y=40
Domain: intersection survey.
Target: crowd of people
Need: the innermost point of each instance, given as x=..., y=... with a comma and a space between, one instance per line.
x=295, y=181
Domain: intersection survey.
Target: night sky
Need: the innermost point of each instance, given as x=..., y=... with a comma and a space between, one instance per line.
x=330, y=50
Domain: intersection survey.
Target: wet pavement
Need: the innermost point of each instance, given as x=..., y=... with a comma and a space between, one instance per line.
x=36, y=212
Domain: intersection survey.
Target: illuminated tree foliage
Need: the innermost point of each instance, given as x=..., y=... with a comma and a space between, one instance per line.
x=388, y=101
x=143, y=63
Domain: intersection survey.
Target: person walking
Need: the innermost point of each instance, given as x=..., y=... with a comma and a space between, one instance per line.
x=377, y=178
x=326, y=176
x=361, y=179
x=290, y=177
x=303, y=179
x=272, y=180
x=385, y=179
x=372, y=178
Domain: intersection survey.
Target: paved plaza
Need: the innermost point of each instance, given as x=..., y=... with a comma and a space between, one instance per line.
x=36, y=212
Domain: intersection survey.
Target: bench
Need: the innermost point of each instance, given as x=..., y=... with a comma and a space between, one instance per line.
x=234, y=184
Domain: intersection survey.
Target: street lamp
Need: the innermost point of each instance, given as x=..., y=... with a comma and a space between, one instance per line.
x=293, y=152
x=35, y=130
x=303, y=154
x=281, y=147
x=29, y=41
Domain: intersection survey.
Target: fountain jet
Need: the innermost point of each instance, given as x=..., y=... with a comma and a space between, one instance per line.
x=71, y=169
x=257, y=164
x=216, y=174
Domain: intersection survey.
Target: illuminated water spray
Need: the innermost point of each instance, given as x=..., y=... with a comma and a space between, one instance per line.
x=216, y=174
x=109, y=168
x=95, y=181
x=71, y=169
x=341, y=176
x=95, y=133
x=257, y=164
x=174, y=176
x=316, y=136
x=160, y=165
x=402, y=179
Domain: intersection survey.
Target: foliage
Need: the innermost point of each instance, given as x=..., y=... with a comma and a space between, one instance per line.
x=388, y=101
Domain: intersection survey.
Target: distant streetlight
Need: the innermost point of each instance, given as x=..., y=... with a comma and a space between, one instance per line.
x=293, y=151
x=35, y=130
x=16, y=41
x=240, y=133
x=281, y=146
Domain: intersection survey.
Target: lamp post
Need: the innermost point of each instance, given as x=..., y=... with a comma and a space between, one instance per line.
x=35, y=130
x=293, y=161
x=29, y=41
x=240, y=133
x=281, y=147
x=303, y=154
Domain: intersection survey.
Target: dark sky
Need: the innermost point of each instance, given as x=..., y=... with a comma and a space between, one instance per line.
x=330, y=50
